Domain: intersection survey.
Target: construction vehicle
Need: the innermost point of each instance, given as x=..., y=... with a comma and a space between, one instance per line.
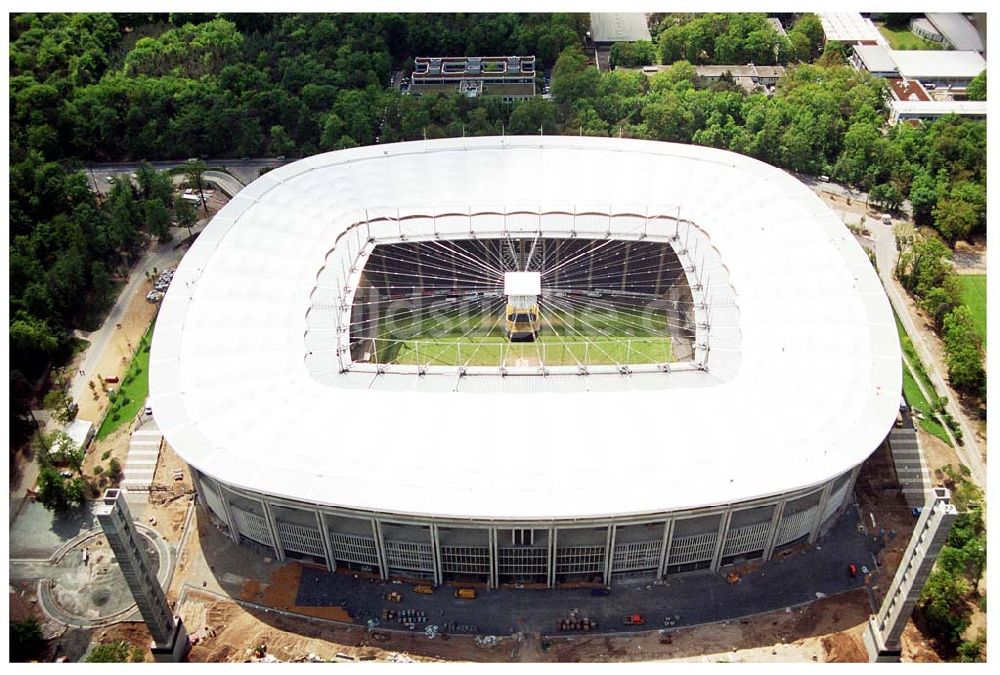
x=466, y=593
x=635, y=620
x=393, y=596
x=522, y=322
x=423, y=588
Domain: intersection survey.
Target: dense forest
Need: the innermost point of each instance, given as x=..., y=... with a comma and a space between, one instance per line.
x=91, y=87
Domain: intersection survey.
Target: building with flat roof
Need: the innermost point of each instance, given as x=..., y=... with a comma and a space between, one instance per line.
x=939, y=68
x=750, y=76
x=876, y=59
x=933, y=68
x=907, y=90
x=850, y=27
x=608, y=28
x=958, y=32
x=903, y=111
x=509, y=77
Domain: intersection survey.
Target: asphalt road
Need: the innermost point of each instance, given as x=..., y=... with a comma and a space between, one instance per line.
x=246, y=170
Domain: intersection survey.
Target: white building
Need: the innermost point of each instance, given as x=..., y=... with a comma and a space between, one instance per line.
x=902, y=111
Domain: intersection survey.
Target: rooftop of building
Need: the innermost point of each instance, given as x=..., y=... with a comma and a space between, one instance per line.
x=876, y=58
x=918, y=64
x=940, y=107
x=907, y=90
x=958, y=30
x=619, y=27
x=849, y=27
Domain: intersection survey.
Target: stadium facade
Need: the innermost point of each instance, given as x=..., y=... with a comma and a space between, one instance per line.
x=584, y=463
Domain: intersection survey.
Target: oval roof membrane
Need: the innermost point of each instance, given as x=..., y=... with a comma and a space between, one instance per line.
x=809, y=390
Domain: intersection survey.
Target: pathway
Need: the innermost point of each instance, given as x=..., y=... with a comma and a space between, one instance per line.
x=886, y=255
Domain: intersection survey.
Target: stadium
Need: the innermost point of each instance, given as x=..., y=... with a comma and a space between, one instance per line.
x=532, y=361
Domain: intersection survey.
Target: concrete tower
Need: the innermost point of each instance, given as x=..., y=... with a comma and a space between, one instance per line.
x=929, y=535
x=168, y=633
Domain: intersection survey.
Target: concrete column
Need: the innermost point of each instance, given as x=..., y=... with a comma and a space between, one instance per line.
x=720, y=543
x=668, y=530
x=438, y=564
x=772, y=534
x=824, y=498
x=852, y=481
x=125, y=541
x=324, y=534
x=494, y=571
x=552, y=557
x=272, y=525
x=609, y=553
x=383, y=568
x=234, y=531
x=929, y=536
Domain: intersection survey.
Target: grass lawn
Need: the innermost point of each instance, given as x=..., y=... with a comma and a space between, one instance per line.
x=974, y=297
x=904, y=38
x=914, y=397
x=132, y=392
x=570, y=336
x=550, y=350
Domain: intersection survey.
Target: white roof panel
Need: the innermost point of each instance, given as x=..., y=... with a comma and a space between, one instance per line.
x=848, y=27
x=929, y=64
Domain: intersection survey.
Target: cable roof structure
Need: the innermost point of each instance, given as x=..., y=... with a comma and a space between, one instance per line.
x=764, y=359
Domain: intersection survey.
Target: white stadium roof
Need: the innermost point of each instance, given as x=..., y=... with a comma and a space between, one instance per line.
x=808, y=390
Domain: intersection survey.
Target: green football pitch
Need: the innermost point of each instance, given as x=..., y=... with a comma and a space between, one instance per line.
x=567, y=338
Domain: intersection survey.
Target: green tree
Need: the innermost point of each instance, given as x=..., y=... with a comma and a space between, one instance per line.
x=963, y=349
x=632, y=54
x=60, y=403
x=572, y=78
x=157, y=219
x=186, y=215
x=926, y=266
x=806, y=36
x=976, y=91
x=194, y=171
x=954, y=218
x=923, y=197
x=60, y=494
x=154, y=184
x=26, y=641
x=115, y=652
x=535, y=115
x=885, y=195
x=281, y=144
